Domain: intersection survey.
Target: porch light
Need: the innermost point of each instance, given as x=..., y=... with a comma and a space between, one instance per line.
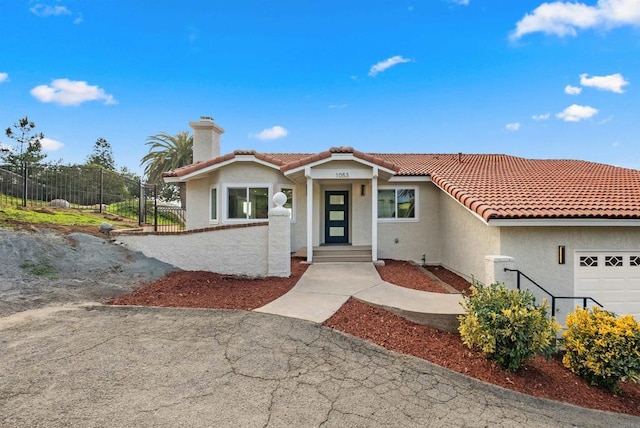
x=561, y=254
x=362, y=189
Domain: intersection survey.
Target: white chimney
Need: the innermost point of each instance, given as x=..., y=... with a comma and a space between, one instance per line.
x=206, y=139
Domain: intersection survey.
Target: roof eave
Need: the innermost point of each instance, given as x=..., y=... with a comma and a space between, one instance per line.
x=206, y=169
x=568, y=221
x=326, y=157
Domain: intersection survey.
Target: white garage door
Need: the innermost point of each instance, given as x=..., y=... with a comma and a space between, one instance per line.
x=610, y=277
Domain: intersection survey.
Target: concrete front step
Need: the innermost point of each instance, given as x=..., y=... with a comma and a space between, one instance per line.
x=342, y=253
x=339, y=259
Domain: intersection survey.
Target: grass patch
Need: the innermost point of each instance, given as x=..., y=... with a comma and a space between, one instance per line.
x=47, y=216
x=56, y=216
x=43, y=268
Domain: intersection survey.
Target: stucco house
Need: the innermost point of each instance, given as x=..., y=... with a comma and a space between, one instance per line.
x=571, y=226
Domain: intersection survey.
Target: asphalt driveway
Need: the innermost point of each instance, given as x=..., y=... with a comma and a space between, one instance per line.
x=144, y=367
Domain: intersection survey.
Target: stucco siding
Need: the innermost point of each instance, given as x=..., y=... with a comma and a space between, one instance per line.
x=248, y=172
x=342, y=165
x=466, y=239
x=198, y=200
x=535, y=252
x=361, y=212
x=415, y=238
x=229, y=251
x=299, y=226
x=240, y=173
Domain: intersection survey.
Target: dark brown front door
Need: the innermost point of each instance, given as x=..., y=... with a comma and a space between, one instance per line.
x=336, y=217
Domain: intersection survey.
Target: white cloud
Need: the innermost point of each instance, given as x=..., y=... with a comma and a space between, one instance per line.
x=612, y=82
x=387, y=63
x=572, y=90
x=544, y=116
x=462, y=2
x=272, y=133
x=337, y=106
x=44, y=10
x=4, y=77
x=79, y=19
x=50, y=145
x=513, y=127
x=71, y=93
x=565, y=18
x=576, y=113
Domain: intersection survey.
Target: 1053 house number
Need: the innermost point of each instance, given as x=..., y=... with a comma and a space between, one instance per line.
x=342, y=175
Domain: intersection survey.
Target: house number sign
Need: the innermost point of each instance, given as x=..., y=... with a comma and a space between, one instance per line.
x=342, y=174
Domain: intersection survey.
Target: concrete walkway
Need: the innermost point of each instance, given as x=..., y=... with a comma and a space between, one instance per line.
x=325, y=287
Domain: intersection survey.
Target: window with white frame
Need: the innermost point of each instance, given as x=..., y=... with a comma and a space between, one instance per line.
x=213, y=204
x=247, y=203
x=288, y=191
x=397, y=203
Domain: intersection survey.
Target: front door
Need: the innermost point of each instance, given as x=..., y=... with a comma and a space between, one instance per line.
x=336, y=217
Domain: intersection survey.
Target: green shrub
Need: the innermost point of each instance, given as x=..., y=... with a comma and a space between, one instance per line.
x=507, y=325
x=602, y=348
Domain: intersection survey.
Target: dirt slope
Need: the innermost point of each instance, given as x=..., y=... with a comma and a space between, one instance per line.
x=39, y=268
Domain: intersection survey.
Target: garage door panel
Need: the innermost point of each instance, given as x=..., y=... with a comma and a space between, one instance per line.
x=588, y=285
x=617, y=308
x=614, y=285
x=614, y=297
x=611, y=278
x=634, y=284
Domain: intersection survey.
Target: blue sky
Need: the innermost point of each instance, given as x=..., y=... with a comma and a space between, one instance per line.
x=526, y=78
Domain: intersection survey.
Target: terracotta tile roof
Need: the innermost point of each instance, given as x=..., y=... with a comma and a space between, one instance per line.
x=508, y=187
x=497, y=186
x=185, y=170
x=327, y=154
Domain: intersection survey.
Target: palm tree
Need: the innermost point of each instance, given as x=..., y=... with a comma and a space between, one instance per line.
x=168, y=152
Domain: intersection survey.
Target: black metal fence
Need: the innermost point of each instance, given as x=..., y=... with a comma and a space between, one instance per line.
x=88, y=188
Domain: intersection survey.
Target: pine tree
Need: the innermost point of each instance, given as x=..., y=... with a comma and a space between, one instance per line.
x=28, y=146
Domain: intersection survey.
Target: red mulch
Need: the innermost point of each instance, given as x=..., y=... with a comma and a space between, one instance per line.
x=197, y=289
x=538, y=378
x=454, y=280
x=407, y=274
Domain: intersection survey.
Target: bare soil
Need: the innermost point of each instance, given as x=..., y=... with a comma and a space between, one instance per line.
x=43, y=267
x=540, y=378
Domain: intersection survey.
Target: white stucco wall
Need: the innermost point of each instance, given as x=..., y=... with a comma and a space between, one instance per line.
x=415, y=238
x=360, y=212
x=466, y=239
x=249, y=172
x=535, y=253
x=318, y=232
x=299, y=225
x=229, y=251
x=197, y=213
x=239, y=173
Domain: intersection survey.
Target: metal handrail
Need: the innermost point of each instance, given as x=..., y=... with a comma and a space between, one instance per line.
x=553, y=298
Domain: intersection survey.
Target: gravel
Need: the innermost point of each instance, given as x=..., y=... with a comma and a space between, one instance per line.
x=41, y=268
